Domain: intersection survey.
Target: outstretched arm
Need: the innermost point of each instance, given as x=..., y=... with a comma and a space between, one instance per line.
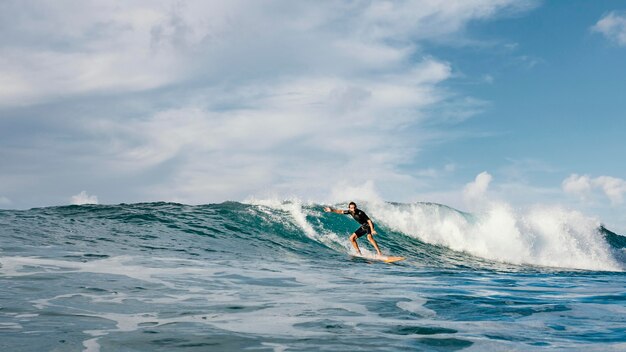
x=331, y=210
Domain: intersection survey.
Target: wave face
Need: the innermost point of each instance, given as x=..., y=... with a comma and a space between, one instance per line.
x=279, y=275
x=543, y=236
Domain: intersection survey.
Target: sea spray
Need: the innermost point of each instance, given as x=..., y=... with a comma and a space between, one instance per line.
x=542, y=235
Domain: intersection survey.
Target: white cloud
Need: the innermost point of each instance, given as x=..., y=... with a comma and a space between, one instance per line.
x=59, y=49
x=613, y=187
x=613, y=26
x=91, y=47
x=278, y=96
x=583, y=186
x=355, y=192
x=305, y=134
x=477, y=189
x=84, y=198
x=577, y=184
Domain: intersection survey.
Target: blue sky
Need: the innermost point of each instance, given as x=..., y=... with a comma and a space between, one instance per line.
x=198, y=102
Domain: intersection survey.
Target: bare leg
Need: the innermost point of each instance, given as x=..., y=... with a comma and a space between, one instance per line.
x=354, y=244
x=371, y=239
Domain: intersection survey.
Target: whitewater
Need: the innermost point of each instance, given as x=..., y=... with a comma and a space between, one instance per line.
x=268, y=275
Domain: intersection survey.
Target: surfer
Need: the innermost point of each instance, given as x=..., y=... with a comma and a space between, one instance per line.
x=367, y=226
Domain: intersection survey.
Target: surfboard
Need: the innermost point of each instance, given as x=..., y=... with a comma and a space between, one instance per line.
x=383, y=258
x=391, y=259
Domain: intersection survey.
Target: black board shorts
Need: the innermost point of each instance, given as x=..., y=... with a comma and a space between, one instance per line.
x=363, y=230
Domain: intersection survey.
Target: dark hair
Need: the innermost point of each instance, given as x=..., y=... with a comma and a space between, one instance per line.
x=351, y=203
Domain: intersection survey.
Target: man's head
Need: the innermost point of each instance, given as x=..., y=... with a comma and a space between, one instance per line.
x=352, y=206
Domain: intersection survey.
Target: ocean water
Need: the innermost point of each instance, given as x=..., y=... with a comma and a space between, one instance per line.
x=281, y=276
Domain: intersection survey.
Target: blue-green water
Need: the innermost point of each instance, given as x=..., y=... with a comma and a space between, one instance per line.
x=279, y=276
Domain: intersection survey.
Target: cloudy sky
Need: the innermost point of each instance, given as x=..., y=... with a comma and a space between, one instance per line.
x=207, y=101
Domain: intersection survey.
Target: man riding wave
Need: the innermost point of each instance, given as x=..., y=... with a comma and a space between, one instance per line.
x=367, y=226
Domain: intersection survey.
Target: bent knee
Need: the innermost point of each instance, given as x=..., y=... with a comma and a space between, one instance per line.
x=353, y=237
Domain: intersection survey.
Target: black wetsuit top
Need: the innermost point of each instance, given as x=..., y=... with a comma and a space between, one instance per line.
x=359, y=215
x=362, y=218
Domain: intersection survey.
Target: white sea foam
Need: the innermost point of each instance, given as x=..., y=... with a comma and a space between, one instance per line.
x=541, y=235
x=417, y=306
x=269, y=320
x=120, y=265
x=10, y=326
